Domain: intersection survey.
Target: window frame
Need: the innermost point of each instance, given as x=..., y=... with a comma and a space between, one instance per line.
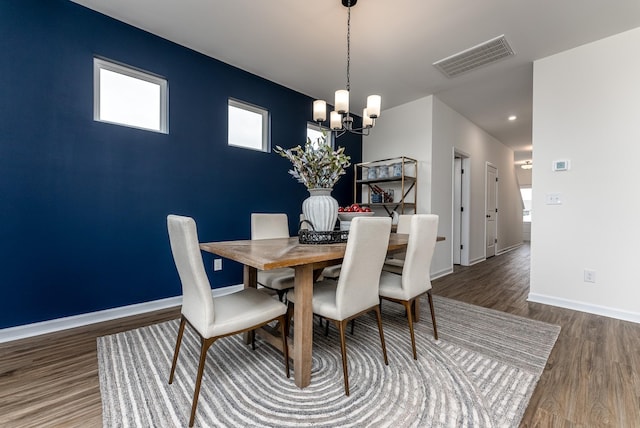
x=266, y=124
x=319, y=128
x=127, y=70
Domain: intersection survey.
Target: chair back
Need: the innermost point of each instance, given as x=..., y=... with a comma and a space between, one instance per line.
x=404, y=226
x=269, y=226
x=416, y=277
x=404, y=223
x=197, y=301
x=364, y=256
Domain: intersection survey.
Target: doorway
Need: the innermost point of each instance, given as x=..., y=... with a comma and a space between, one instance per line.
x=491, y=215
x=460, y=210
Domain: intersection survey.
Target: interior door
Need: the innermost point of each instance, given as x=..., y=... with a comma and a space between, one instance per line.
x=491, y=227
x=457, y=209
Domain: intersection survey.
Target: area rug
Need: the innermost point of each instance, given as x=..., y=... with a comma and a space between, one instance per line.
x=480, y=373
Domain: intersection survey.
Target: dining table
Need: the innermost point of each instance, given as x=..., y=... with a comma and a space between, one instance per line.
x=308, y=261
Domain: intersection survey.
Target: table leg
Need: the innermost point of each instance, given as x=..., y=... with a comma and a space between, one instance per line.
x=250, y=281
x=250, y=277
x=303, y=325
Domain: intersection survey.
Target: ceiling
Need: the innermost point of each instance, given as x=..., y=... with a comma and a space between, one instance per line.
x=302, y=45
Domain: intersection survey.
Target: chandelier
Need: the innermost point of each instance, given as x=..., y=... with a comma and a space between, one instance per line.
x=341, y=120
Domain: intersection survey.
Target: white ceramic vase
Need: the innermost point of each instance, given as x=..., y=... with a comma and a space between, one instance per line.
x=321, y=209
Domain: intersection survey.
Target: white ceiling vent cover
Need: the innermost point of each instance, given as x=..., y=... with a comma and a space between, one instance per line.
x=478, y=56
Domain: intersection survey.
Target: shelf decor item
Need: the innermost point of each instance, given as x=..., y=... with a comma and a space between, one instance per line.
x=318, y=167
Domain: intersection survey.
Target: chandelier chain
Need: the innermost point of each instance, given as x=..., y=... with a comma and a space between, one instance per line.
x=348, y=44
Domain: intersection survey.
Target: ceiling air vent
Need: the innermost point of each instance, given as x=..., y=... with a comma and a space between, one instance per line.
x=478, y=56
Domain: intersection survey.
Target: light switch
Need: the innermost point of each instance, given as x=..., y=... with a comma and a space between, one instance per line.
x=553, y=199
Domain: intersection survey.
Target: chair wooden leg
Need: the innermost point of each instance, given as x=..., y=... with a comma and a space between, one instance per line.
x=206, y=343
x=177, y=349
x=433, y=315
x=252, y=333
x=384, y=346
x=343, y=349
x=288, y=316
x=408, y=306
x=326, y=327
x=285, y=348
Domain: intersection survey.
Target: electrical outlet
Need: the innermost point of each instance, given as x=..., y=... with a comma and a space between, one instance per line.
x=217, y=264
x=589, y=275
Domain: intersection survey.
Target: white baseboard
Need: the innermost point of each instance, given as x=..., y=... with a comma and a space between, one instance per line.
x=476, y=261
x=44, y=327
x=585, y=307
x=442, y=273
x=510, y=248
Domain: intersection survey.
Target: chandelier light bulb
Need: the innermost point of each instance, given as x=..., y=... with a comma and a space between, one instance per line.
x=367, y=121
x=336, y=121
x=319, y=110
x=342, y=101
x=373, y=106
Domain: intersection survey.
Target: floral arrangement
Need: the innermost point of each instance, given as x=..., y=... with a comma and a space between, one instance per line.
x=316, y=166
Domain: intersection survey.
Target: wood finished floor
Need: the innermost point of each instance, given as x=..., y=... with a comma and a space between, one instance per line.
x=592, y=378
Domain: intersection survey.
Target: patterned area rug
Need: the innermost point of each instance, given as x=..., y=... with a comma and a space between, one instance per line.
x=480, y=373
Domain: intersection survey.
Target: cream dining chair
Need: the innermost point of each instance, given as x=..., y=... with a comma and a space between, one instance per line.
x=415, y=278
x=212, y=318
x=395, y=262
x=270, y=226
x=356, y=291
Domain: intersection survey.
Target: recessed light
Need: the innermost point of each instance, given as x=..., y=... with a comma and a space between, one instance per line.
x=513, y=117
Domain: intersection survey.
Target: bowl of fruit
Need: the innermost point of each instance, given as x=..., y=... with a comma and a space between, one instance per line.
x=348, y=213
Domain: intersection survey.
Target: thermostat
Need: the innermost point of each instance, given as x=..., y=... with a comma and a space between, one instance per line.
x=561, y=165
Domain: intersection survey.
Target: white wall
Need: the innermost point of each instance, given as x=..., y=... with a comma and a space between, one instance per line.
x=405, y=131
x=524, y=176
x=428, y=130
x=586, y=108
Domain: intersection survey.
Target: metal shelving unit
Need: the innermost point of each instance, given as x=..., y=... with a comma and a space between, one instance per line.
x=400, y=173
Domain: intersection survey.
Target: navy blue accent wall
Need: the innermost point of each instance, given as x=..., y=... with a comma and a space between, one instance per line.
x=84, y=204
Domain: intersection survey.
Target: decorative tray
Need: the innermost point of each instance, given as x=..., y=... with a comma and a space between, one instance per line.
x=313, y=237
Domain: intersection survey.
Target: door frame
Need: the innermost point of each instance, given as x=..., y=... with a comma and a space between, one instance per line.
x=460, y=218
x=486, y=207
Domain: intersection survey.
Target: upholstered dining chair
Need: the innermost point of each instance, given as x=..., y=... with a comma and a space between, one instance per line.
x=356, y=291
x=214, y=318
x=415, y=278
x=395, y=262
x=270, y=226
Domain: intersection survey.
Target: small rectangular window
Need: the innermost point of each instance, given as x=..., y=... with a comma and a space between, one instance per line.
x=315, y=131
x=129, y=97
x=248, y=126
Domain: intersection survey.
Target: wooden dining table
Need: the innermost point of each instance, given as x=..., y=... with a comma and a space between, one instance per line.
x=308, y=260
